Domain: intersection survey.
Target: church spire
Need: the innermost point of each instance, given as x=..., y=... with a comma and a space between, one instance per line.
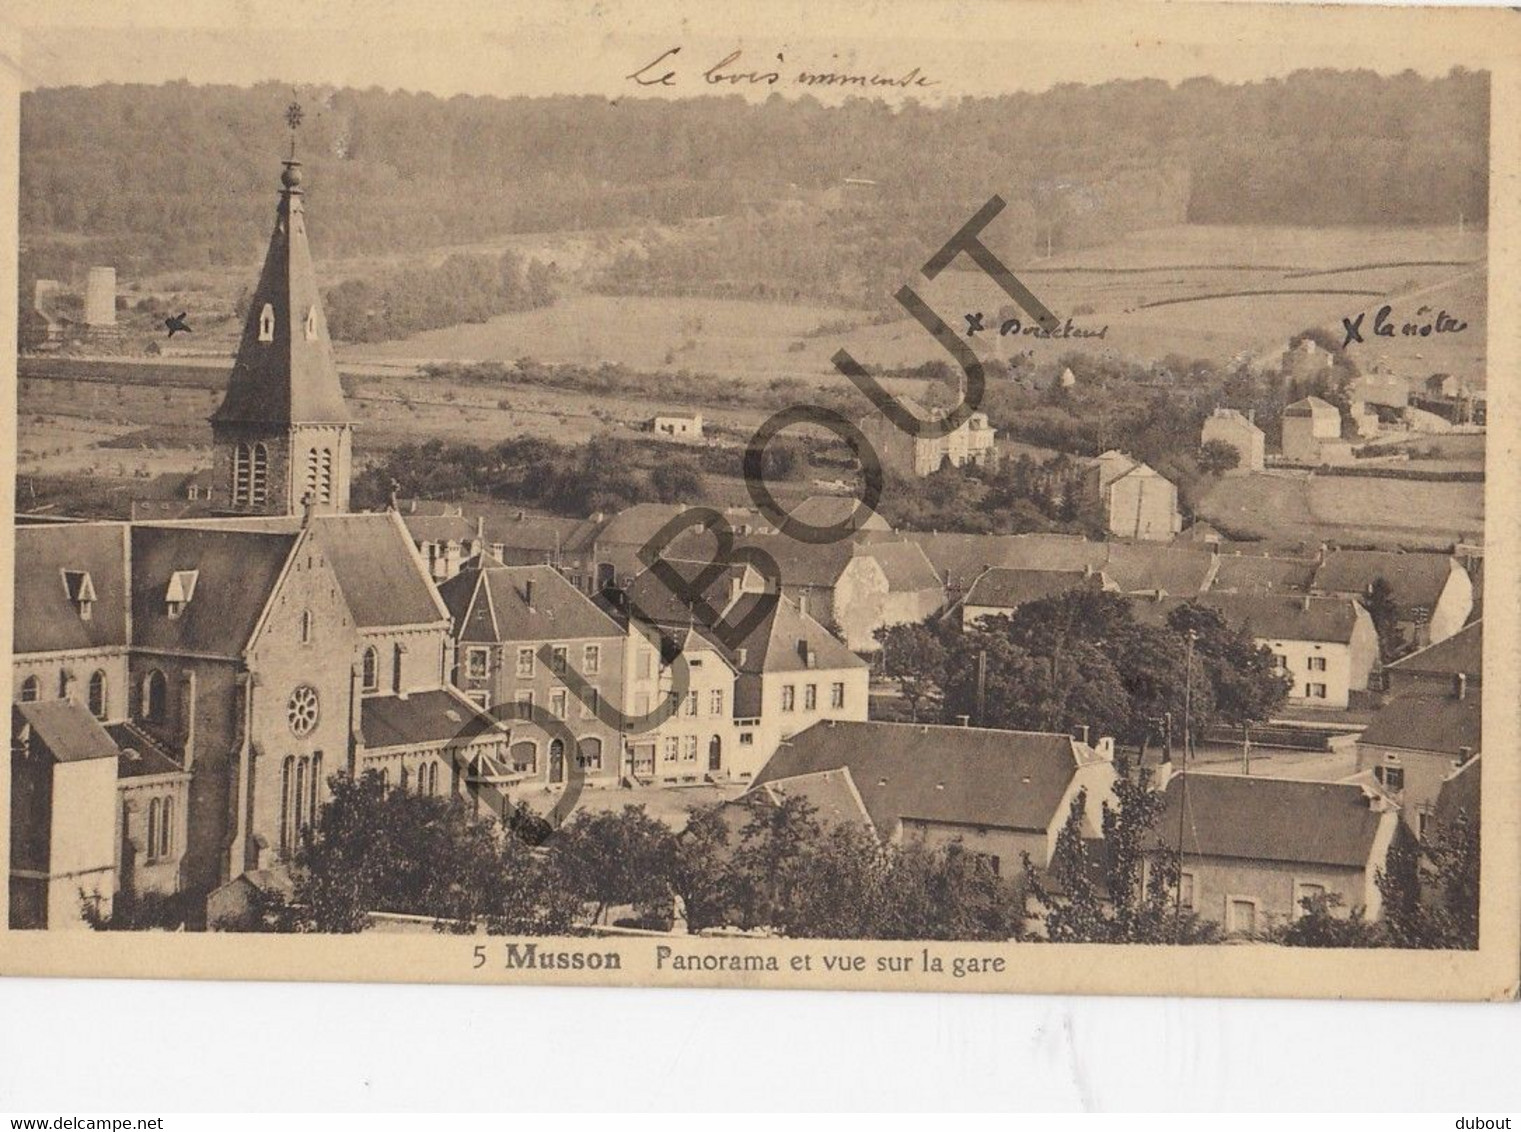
x=284, y=372
x=282, y=436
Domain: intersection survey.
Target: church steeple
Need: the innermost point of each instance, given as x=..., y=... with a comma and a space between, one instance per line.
x=282, y=433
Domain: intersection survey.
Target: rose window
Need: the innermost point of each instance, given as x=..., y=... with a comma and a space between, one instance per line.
x=301, y=710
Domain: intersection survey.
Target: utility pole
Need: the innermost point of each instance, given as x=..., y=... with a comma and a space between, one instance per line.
x=982, y=686
x=1246, y=748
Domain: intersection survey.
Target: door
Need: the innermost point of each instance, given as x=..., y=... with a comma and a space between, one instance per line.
x=715, y=753
x=557, y=761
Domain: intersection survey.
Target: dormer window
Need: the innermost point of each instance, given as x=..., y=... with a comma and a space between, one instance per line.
x=311, y=324
x=267, y=324
x=80, y=590
x=180, y=590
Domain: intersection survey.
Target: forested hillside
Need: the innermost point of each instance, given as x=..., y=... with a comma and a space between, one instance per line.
x=179, y=176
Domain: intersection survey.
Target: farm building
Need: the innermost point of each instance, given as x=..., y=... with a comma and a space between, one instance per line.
x=1138, y=501
x=1432, y=592
x=682, y=426
x=1311, y=430
x=1240, y=431
x=973, y=442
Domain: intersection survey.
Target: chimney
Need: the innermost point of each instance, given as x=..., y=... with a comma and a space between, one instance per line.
x=1104, y=749
x=1304, y=604
x=480, y=533
x=1083, y=728
x=736, y=587
x=964, y=720
x=1460, y=685
x=528, y=593
x=1464, y=755
x=1251, y=415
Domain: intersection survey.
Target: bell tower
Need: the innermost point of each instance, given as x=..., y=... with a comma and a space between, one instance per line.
x=283, y=434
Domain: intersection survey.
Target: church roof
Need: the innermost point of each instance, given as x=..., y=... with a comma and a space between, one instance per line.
x=47, y=614
x=284, y=372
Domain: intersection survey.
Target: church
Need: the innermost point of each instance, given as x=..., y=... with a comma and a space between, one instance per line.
x=184, y=690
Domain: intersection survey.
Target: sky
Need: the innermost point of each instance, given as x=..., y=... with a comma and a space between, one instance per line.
x=936, y=49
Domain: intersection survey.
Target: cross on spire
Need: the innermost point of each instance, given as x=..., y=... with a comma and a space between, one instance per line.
x=293, y=115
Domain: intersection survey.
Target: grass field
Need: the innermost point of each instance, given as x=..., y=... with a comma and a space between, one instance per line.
x=1198, y=291
x=1288, y=507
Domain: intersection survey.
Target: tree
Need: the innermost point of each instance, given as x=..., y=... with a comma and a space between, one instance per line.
x=1123, y=889
x=615, y=858
x=914, y=656
x=1320, y=926
x=700, y=873
x=1384, y=612
x=1431, y=889
x=1246, y=687
x=1216, y=456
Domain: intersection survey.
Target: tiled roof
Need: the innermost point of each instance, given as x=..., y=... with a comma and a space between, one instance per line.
x=1461, y=792
x=1416, y=578
x=962, y=775
x=1268, y=819
x=1309, y=406
x=65, y=730
x=907, y=567
x=776, y=643
x=141, y=754
x=378, y=570
x=1262, y=573
x=46, y=619
x=437, y=716
x=1003, y=588
x=1177, y=570
x=489, y=602
x=236, y=571
x=1267, y=616
x=831, y=793
x=829, y=510
x=1420, y=721
x=1461, y=652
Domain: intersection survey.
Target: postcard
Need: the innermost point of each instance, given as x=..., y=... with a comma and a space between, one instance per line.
x=920, y=496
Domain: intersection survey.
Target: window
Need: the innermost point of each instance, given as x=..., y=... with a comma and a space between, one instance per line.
x=150, y=850
x=557, y=699
x=310, y=494
x=524, y=701
x=525, y=756
x=558, y=659
x=1304, y=892
x=811, y=697
x=433, y=779
x=646, y=663
x=1423, y=824
x=324, y=476
x=1280, y=662
x=155, y=703
x=1316, y=664
x=166, y=829
x=242, y=466
x=477, y=663
x=689, y=749
x=642, y=704
x=308, y=623
x=1242, y=916
x=298, y=799
x=672, y=749
x=837, y=695
x=267, y=324
x=31, y=690
x=591, y=660
x=525, y=663
x=370, y=670
x=302, y=711
x=789, y=697
x=557, y=760
x=716, y=702
x=589, y=753
x=396, y=654
x=311, y=810
x=1315, y=691
x=1391, y=776
x=258, y=490
x=98, y=694
x=1186, y=889
x=747, y=738
x=287, y=769
x=589, y=703
x=691, y=703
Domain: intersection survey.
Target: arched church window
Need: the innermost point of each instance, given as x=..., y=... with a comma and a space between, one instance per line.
x=267, y=324
x=371, y=673
x=259, y=483
x=242, y=469
x=31, y=690
x=325, y=476
x=311, y=475
x=155, y=705
x=98, y=694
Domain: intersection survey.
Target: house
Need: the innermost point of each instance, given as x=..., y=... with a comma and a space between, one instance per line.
x=1326, y=646
x=854, y=587
x=1312, y=432
x=1432, y=668
x=788, y=670
x=1240, y=431
x=1137, y=502
x=1417, y=739
x=701, y=740
x=63, y=809
x=1000, y=794
x=504, y=619
x=1250, y=850
x=1432, y=592
x=974, y=441
x=682, y=426
x=1388, y=390
x=999, y=591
